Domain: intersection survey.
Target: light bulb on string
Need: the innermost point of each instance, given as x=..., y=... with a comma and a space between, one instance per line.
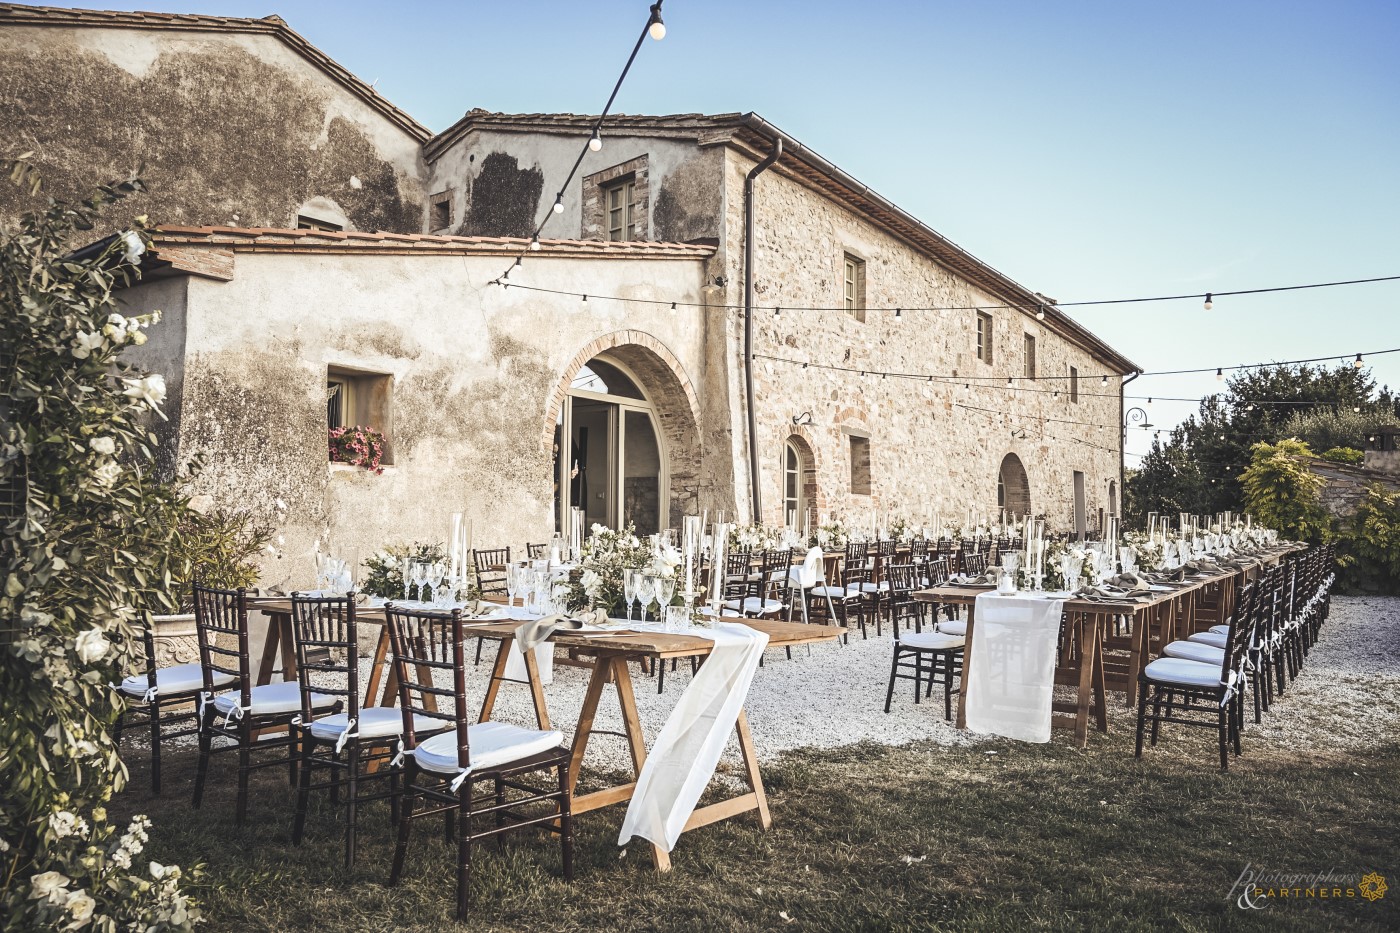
x=1220, y=375
x=673, y=307
x=517, y=260
x=585, y=299
x=655, y=27
x=1209, y=304
x=1358, y=364
x=1009, y=383
x=535, y=243
x=1040, y=313
x=1103, y=381
x=559, y=203
x=595, y=142
x=898, y=315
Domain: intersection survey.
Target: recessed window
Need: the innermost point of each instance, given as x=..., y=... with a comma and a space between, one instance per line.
x=794, y=484
x=1028, y=358
x=311, y=223
x=360, y=399
x=853, y=286
x=440, y=211
x=984, y=336
x=620, y=200
x=1074, y=384
x=860, y=466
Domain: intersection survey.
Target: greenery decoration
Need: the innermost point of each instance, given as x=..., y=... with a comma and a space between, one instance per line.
x=1282, y=493
x=385, y=569
x=85, y=560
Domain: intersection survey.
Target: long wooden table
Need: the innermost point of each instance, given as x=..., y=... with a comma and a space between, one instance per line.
x=607, y=657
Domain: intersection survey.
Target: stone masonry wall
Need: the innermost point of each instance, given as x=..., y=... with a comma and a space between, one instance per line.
x=927, y=452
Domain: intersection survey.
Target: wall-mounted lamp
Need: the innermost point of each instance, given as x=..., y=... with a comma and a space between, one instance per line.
x=803, y=419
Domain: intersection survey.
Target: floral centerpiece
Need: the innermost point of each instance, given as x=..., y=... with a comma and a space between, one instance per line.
x=1147, y=551
x=357, y=446
x=831, y=536
x=1055, y=553
x=384, y=575
x=755, y=537
x=604, y=556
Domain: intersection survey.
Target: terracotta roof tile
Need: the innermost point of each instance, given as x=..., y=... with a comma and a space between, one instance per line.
x=260, y=239
x=15, y=13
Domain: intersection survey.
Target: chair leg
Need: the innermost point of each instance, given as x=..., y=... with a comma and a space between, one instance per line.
x=464, y=849
x=405, y=823
x=206, y=724
x=245, y=750
x=1224, y=735
x=1142, y=717
x=501, y=800
x=1156, y=714
x=307, y=747
x=566, y=824
x=894, y=669
x=948, y=687
x=351, y=801
x=153, y=711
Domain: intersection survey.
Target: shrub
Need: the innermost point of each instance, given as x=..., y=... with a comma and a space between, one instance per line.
x=1369, y=545
x=1326, y=428
x=1344, y=455
x=1283, y=493
x=85, y=558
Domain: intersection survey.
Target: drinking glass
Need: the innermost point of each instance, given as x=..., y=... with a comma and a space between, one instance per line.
x=642, y=588
x=512, y=582
x=406, y=574
x=629, y=590
x=665, y=592
x=435, y=573
x=417, y=575
x=1128, y=559
x=1010, y=562
x=677, y=618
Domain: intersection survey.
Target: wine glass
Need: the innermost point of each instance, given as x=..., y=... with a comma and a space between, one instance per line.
x=646, y=591
x=629, y=590
x=418, y=576
x=512, y=582
x=665, y=592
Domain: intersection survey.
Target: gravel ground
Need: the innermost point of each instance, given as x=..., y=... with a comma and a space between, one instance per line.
x=831, y=695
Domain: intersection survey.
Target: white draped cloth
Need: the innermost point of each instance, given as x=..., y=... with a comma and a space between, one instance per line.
x=515, y=661
x=1010, y=676
x=683, y=758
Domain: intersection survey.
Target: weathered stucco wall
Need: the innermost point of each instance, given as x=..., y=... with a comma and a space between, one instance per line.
x=475, y=372
x=503, y=184
x=927, y=453
x=227, y=128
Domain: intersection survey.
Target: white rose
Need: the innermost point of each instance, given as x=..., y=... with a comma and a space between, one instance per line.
x=47, y=885
x=157, y=870
x=103, y=445
x=149, y=390
x=122, y=859
x=107, y=474
x=84, y=343
x=63, y=824
x=132, y=247
x=91, y=646
x=81, y=905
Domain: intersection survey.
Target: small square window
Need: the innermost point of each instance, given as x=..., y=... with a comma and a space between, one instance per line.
x=860, y=466
x=620, y=209
x=440, y=211
x=853, y=287
x=1028, y=362
x=984, y=336
x=1074, y=384
x=360, y=399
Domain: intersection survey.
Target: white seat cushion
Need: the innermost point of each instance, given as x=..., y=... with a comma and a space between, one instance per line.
x=881, y=587
x=1183, y=672
x=1214, y=639
x=374, y=722
x=270, y=699
x=1220, y=629
x=752, y=604
x=953, y=627
x=180, y=678
x=492, y=744
x=931, y=641
x=832, y=592
x=1195, y=651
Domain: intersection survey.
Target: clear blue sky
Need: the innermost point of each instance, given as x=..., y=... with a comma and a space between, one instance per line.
x=1086, y=149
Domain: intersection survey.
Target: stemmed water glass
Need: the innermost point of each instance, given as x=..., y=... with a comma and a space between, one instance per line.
x=665, y=592
x=417, y=576
x=512, y=582
x=432, y=575
x=629, y=590
x=646, y=591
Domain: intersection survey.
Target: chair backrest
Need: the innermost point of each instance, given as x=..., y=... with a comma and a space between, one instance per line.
x=809, y=573
x=328, y=651
x=426, y=643
x=490, y=564
x=776, y=564
x=918, y=550
x=738, y=568
x=1245, y=625
x=886, y=547
x=974, y=564
x=857, y=554
x=537, y=551
x=937, y=572
x=221, y=625
x=903, y=581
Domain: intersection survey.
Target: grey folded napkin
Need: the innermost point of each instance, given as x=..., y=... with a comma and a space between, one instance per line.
x=1111, y=591
x=536, y=631
x=1130, y=582
x=1202, y=566
x=959, y=579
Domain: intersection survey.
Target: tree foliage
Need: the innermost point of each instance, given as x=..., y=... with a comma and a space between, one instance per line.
x=85, y=559
x=1370, y=545
x=1282, y=492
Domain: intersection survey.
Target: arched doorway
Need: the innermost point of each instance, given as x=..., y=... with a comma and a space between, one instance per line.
x=1013, y=487
x=799, y=481
x=615, y=468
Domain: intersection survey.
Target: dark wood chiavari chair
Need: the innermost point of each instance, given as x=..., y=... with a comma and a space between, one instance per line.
x=221, y=624
x=537, y=551
x=927, y=658
x=442, y=772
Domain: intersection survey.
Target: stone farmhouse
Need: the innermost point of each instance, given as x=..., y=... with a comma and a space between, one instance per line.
x=318, y=243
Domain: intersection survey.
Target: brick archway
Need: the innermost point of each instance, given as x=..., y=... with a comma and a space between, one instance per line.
x=801, y=438
x=673, y=396
x=1014, y=486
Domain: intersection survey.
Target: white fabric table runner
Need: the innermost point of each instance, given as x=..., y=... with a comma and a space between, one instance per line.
x=1010, y=680
x=683, y=759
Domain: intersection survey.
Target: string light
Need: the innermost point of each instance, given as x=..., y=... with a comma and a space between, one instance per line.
x=1220, y=375
x=1358, y=364
x=655, y=27
x=559, y=203
x=535, y=243
x=585, y=299
x=1209, y=304
x=777, y=312
x=1008, y=382
x=673, y=307
x=898, y=313
x=1040, y=313
x=595, y=142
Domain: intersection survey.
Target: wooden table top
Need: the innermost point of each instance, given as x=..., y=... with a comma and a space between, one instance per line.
x=655, y=644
